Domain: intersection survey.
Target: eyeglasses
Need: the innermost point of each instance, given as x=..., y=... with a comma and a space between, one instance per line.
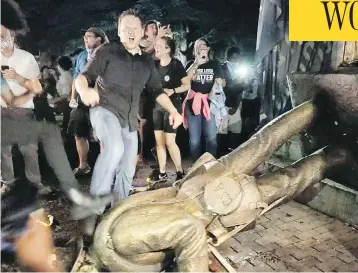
x=129, y=29
x=89, y=36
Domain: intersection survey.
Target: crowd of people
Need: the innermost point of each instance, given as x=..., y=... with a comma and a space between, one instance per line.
x=109, y=94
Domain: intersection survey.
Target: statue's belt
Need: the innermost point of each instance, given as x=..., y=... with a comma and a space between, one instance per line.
x=229, y=192
x=236, y=201
x=221, y=234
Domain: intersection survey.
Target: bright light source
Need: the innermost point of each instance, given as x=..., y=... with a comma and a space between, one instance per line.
x=242, y=71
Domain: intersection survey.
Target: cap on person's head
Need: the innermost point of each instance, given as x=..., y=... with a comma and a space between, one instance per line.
x=12, y=17
x=99, y=33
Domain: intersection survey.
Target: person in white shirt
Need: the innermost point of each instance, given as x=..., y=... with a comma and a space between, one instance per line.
x=21, y=73
x=64, y=83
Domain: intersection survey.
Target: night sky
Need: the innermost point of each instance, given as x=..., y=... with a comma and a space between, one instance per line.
x=56, y=24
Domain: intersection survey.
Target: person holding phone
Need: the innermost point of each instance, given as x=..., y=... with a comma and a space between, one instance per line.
x=21, y=73
x=203, y=73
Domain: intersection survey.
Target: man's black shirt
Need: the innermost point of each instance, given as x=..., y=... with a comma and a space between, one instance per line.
x=121, y=78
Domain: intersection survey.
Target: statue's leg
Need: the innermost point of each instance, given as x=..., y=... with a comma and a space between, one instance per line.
x=269, y=139
x=143, y=238
x=294, y=179
x=197, y=168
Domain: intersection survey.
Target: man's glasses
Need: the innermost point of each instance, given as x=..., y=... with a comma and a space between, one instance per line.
x=89, y=36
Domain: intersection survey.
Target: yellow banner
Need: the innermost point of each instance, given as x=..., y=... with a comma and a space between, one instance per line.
x=323, y=20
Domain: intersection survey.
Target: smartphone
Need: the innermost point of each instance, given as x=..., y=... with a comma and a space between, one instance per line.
x=4, y=67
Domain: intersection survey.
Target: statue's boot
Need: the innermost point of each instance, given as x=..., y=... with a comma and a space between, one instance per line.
x=290, y=181
x=269, y=139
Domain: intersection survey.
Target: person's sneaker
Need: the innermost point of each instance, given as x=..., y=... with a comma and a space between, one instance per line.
x=163, y=177
x=179, y=176
x=82, y=171
x=153, y=175
x=157, y=176
x=4, y=187
x=84, y=206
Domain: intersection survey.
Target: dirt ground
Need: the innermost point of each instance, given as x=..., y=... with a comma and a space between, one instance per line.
x=65, y=231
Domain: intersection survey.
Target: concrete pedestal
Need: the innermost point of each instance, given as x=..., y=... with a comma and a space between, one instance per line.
x=336, y=95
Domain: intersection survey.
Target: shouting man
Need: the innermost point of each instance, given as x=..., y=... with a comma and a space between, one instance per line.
x=120, y=72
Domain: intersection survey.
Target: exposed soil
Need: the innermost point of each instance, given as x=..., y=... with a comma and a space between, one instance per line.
x=65, y=231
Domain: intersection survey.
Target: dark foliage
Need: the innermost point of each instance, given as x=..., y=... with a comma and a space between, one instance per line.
x=56, y=25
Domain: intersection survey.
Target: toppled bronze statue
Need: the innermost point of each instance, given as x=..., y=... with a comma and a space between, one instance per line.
x=216, y=199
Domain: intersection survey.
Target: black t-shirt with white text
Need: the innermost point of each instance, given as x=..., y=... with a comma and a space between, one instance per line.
x=171, y=76
x=205, y=76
